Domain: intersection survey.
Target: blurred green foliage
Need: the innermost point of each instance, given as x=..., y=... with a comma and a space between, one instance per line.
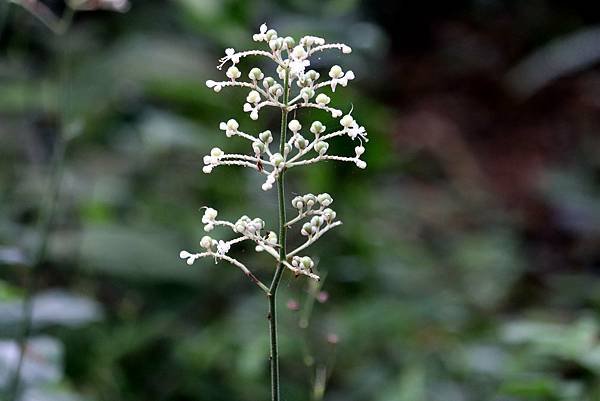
x=450, y=280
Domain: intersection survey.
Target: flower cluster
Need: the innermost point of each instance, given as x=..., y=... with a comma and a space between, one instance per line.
x=292, y=86
x=305, y=146
x=253, y=229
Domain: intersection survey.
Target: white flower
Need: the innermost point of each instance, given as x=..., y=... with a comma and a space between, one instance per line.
x=216, y=152
x=303, y=263
x=297, y=67
x=347, y=121
x=294, y=126
x=230, y=127
x=259, y=37
x=352, y=128
x=223, y=247
x=206, y=242
x=329, y=215
x=298, y=202
x=253, y=97
x=230, y=54
x=277, y=159
x=271, y=238
x=312, y=40
x=336, y=72
x=357, y=131
x=323, y=99
x=276, y=44
x=186, y=255
x=314, y=215
x=361, y=164
x=269, y=182
x=214, y=85
x=248, y=227
x=256, y=74
x=212, y=159
x=324, y=199
x=299, y=53
x=208, y=218
x=309, y=200
x=233, y=72
x=298, y=61
x=338, y=77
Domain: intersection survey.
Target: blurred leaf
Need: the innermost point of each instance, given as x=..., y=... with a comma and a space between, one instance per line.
x=52, y=307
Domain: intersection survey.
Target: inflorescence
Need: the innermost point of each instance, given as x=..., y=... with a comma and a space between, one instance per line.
x=303, y=147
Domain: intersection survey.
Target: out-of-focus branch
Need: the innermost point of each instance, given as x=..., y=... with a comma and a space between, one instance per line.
x=60, y=24
x=562, y=56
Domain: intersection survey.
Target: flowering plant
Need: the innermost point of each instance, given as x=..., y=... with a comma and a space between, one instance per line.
x=297, y=149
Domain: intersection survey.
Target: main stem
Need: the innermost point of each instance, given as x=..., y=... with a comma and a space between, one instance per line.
x=274, y=356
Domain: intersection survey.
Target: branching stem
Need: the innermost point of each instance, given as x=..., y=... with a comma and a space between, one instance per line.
x=274, y=356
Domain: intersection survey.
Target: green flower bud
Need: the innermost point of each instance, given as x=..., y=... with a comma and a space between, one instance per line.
x=325, y=199
x=289, y=42
x=307, y=93
x=258, y=147
x=266, y=136
x=298, y=202
x=271, y=34
x=256, y=74
x=317, y=127
x=268, y=82
x=321, y=147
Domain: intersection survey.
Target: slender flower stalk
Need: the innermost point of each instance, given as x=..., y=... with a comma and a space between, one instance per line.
x=299, y=148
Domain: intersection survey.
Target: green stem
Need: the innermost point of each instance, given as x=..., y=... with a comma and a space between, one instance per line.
x=274, y=356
